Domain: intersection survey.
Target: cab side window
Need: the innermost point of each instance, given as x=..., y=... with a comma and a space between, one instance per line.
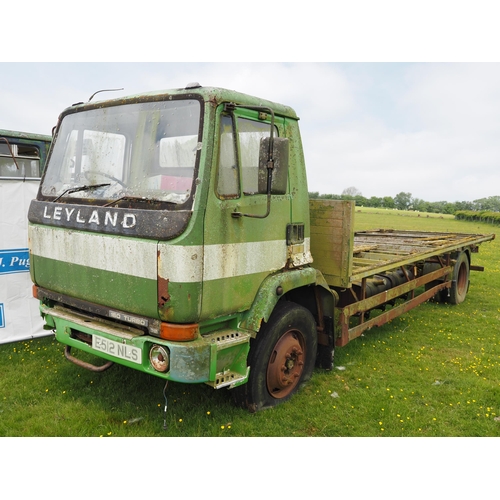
x=239, y=159
x=228, y=183
x=249, y=135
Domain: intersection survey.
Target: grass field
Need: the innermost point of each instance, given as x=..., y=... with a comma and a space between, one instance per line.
x=432, y=372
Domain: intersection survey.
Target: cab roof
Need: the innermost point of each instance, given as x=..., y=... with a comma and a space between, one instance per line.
x=214, y=95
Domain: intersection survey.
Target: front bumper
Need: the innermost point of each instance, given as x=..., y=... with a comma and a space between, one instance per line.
x=217, y=359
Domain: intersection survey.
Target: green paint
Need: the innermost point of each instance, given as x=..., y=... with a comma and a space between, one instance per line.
x=270, y=291
x=114, y=290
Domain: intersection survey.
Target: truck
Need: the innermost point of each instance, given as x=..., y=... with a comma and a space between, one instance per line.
x=22, y=159
x=173, y=233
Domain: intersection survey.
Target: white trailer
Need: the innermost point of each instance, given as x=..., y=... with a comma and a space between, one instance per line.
x=22, y=159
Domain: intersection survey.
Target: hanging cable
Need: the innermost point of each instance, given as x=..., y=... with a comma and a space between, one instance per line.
x=165, y=408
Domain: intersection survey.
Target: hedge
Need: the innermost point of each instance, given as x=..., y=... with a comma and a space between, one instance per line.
x=479, y=216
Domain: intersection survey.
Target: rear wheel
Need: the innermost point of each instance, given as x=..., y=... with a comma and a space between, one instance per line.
x=281, y=358
x=460, y=280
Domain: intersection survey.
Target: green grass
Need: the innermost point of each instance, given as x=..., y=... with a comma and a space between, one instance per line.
x=390, y=212
x=432, y=372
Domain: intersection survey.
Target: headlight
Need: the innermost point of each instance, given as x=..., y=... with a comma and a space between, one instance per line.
x=159, y=358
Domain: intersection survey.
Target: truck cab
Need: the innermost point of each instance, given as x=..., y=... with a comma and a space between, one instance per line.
x=168, y=226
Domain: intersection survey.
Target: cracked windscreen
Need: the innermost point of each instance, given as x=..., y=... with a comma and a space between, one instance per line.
x=142, y=150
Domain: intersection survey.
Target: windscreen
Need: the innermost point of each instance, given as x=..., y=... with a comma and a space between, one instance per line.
x=142, y=150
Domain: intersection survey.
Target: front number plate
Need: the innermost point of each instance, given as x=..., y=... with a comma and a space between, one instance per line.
x=122, y=351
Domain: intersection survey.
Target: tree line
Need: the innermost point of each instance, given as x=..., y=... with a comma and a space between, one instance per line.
x=405, y=201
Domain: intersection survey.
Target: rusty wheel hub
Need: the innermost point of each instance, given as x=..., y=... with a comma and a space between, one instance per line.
x=285, y=365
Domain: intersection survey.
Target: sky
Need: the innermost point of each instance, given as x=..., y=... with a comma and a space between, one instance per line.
x=368, y=118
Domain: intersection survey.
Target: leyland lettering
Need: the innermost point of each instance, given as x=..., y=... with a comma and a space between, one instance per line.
x=173, y=233
x=129, y=220
x=82, y=216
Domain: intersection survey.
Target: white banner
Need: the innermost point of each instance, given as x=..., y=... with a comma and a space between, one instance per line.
x=19, y=314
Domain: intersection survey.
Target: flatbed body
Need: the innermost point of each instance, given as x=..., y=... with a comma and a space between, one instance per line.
x=382, y=249
x=380, y=274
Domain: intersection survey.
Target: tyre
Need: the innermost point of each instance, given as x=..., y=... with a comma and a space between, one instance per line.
x=460, y=279
x=281, y=358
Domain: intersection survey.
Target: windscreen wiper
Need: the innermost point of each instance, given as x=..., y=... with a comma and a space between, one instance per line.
x=79, y=188
x=127, y=198
x=136, y=198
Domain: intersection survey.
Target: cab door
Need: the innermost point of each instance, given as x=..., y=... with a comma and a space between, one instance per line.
x=242, y=244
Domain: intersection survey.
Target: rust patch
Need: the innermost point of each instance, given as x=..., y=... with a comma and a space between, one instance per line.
x=163, y=295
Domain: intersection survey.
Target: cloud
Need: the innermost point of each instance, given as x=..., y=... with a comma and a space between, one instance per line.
x=429, y=129
x=435, y=137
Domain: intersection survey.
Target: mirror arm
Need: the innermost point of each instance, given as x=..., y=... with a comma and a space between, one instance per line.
x=237, y=215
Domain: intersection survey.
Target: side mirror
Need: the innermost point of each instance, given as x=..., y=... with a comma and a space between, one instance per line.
x=279, y=180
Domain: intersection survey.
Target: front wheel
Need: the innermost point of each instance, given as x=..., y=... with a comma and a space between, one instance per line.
x=281, y=358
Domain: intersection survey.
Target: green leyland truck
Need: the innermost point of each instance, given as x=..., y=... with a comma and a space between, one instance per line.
x=173, y=233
